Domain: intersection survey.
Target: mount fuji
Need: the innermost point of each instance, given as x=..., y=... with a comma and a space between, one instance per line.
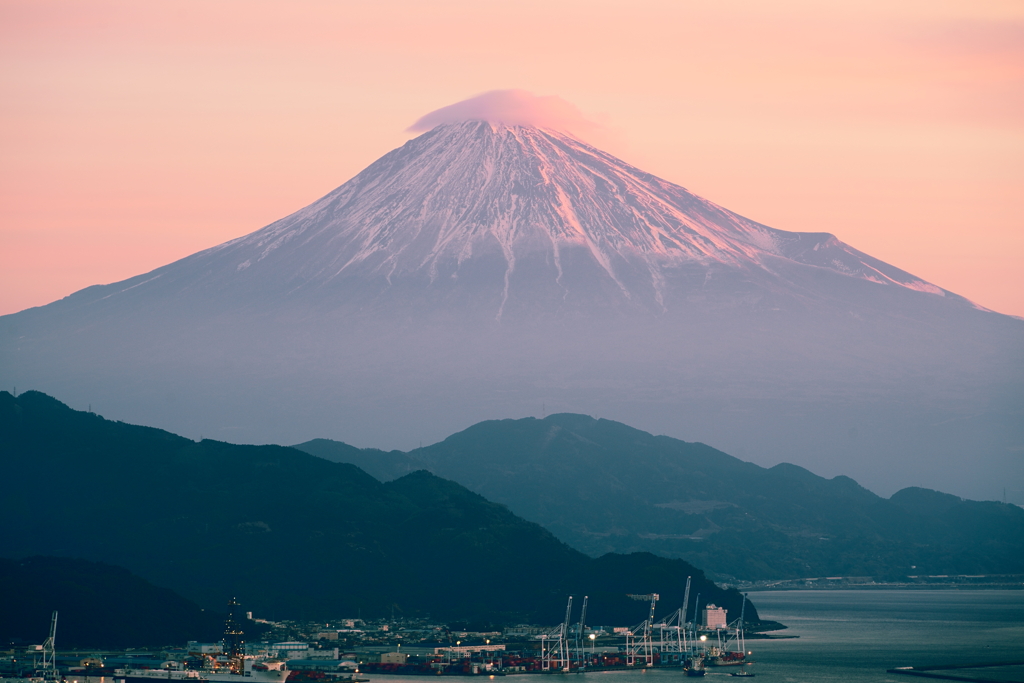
x=488, y=269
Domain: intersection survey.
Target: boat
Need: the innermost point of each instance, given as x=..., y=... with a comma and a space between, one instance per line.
x=696, y=668
x=742, y=674
x=234, y=667
x=720, y=657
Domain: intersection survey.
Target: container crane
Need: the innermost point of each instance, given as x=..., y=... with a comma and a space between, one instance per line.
x=682, y=617
x=559, y=652
x=49, y=670
x=645, y=643
x=563, y=639
x=580, y=645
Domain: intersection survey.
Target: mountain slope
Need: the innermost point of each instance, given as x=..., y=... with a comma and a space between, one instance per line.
x=495, y=214
x=602, y=486
x=484, y=271
x=522, y=209
x=291, y=535
x=99, y=605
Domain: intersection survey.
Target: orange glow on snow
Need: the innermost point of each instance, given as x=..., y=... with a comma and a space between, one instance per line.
x=133, y=134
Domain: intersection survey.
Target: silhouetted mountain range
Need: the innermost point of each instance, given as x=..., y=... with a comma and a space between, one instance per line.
x=293, y=535
x=602, y=486
x=99, y=605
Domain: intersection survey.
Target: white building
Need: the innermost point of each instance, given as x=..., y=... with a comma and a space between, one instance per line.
x=290, y=650
x=205, y=648
x=714, y=616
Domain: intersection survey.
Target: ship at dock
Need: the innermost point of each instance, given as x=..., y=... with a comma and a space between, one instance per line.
x=719, y=657
x=233, y=666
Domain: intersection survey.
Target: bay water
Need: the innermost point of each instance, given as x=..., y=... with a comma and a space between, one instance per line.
x=855, y=636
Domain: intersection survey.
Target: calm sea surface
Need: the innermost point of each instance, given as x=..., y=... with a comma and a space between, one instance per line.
x=854, y=636
x=857, y=635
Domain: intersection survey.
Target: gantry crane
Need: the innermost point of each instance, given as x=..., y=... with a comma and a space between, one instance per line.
x=632, y=649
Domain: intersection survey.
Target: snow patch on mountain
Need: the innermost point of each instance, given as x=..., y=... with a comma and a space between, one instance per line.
x=468, y=189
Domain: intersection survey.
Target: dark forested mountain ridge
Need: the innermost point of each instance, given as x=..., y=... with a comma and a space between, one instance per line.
x=602, y=486
x=293, y=535
x=99, y=605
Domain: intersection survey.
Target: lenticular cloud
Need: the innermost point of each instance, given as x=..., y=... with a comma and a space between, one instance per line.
x=512, y=107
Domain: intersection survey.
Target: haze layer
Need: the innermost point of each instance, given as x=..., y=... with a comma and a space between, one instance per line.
x=486, y=270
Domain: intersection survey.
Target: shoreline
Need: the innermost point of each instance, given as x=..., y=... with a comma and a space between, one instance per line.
x=833, y=584
x=933, y=671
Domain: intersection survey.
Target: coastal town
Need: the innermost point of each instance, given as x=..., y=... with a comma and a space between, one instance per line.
x=350, y=649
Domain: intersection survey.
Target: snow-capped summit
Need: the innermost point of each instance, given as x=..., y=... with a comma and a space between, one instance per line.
x=506, y=212
x=498, y=266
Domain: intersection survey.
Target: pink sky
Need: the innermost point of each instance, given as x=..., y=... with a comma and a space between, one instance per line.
x=133, y=134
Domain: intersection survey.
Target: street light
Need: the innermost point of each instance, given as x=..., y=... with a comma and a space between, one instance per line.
x=593, y=637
